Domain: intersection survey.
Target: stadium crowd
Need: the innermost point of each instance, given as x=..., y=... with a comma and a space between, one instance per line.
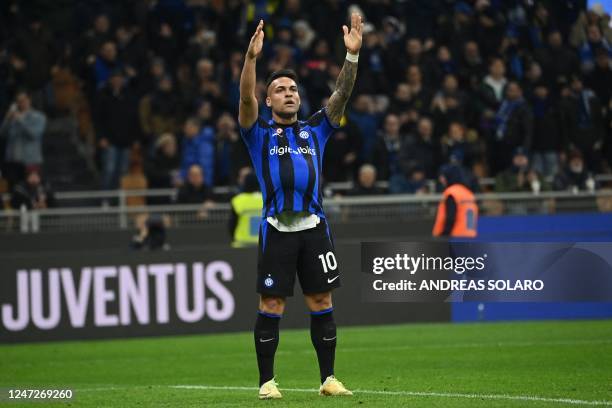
x=519, y=90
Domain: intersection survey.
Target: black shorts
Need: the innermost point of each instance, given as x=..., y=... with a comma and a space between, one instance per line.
x=310, y=253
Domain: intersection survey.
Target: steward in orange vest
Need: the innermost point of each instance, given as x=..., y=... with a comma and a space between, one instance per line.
x=457, y=212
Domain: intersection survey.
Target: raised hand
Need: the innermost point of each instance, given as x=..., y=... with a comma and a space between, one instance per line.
x=352, y=37
x=256, y=43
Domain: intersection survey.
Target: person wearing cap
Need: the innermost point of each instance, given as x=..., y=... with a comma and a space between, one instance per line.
x=519, y=176
x=457, y=211
x=246, y=213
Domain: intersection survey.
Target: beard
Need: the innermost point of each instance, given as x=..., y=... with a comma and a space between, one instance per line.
x=285, y=115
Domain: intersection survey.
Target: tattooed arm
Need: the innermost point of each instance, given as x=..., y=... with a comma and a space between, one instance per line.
x=346, y=78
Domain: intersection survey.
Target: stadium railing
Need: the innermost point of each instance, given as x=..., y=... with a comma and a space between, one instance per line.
x=388, y=208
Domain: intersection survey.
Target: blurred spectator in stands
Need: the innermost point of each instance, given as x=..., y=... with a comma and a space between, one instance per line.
x=89, y=44
x=471, y=66
x=207, y=85
x=594, y=42
x=230, y=151
x=23, y=128
x=558, y=62
x=489, y=28
x=162, y=170
x=513, y=127
x=32, y=193
x=372, y=78
x=342, y=152
x=131, y=49
x=574, y=176
x=519, y=176
x=582, y=122
x=458, y=28
x=160, y=111
x=105, y=64
x=365, y=118
x=600, y=79
x=366, y=182
x=533, y=78
x=458, y=147
x=411, y=182
x=150, y=78
x=415, y=55
x=34, y=54
x=445, y=64
x=423, y=152
x=491, y=91
x=117, y=127
x=596, y=17
x=165, y=43
x=449, y=104
x=194, y=191
x=420, y=95
x=385, y=156
x=547, y=142
x=198, y=148
x=303, y=34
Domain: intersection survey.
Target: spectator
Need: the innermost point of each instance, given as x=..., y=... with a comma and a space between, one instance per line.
x=423, y=152
x=518, y=177
x=117, y=127
x=366, y=182
x=471, y=66
x=600, y=79
x=458, y=147
x=582, y=122
x=160, y=111
x=105, y=64
x=547, y=142
x=594, y=43
x=162, y=170
x=574, y=176
x=365, y=118
x=198, y=148
x=23, y=128
x=342, y=152
x=414, y=183
x=420, y=95
x=385, y=156
x=513, y=127
x=32, y=193
x=558, y=62
x=195, y=191
x=491, y=91
x=230, y=151
x=37, y=53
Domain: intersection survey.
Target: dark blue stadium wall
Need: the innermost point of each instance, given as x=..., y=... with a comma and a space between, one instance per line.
x=539, y=228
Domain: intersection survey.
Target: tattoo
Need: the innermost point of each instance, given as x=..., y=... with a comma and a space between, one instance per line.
x=344, y=87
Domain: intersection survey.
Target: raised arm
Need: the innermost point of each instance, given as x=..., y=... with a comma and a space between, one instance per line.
x=346, y=78
x=247, y=110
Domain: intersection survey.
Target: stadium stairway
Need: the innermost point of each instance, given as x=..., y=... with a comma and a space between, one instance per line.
x=68, y=166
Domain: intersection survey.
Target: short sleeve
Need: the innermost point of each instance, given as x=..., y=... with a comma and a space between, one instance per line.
x=321, y=124
x=251, y=135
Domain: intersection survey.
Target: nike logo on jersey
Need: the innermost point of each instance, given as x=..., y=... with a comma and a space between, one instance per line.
x=266, y=340
x=332, y=279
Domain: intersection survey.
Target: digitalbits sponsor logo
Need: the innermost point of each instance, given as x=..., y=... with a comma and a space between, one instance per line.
x=288, y=150
x=304, y=134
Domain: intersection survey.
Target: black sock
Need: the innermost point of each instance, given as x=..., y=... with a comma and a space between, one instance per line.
x=323, y=336
x=266, y=342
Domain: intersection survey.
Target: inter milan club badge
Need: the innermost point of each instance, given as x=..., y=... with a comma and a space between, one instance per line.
x=304, y=134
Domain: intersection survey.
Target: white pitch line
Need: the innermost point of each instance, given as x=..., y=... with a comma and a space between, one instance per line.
x=417, y=394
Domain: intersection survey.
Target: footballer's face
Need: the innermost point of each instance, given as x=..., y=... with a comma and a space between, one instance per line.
x=283, y=97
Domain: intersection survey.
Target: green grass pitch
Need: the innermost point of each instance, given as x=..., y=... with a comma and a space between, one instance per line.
x=533, y=364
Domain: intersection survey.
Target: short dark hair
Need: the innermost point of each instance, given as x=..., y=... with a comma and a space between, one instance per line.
x=289, y=73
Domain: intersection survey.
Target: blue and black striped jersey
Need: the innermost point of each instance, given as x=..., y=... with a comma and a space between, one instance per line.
x=288, y=160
